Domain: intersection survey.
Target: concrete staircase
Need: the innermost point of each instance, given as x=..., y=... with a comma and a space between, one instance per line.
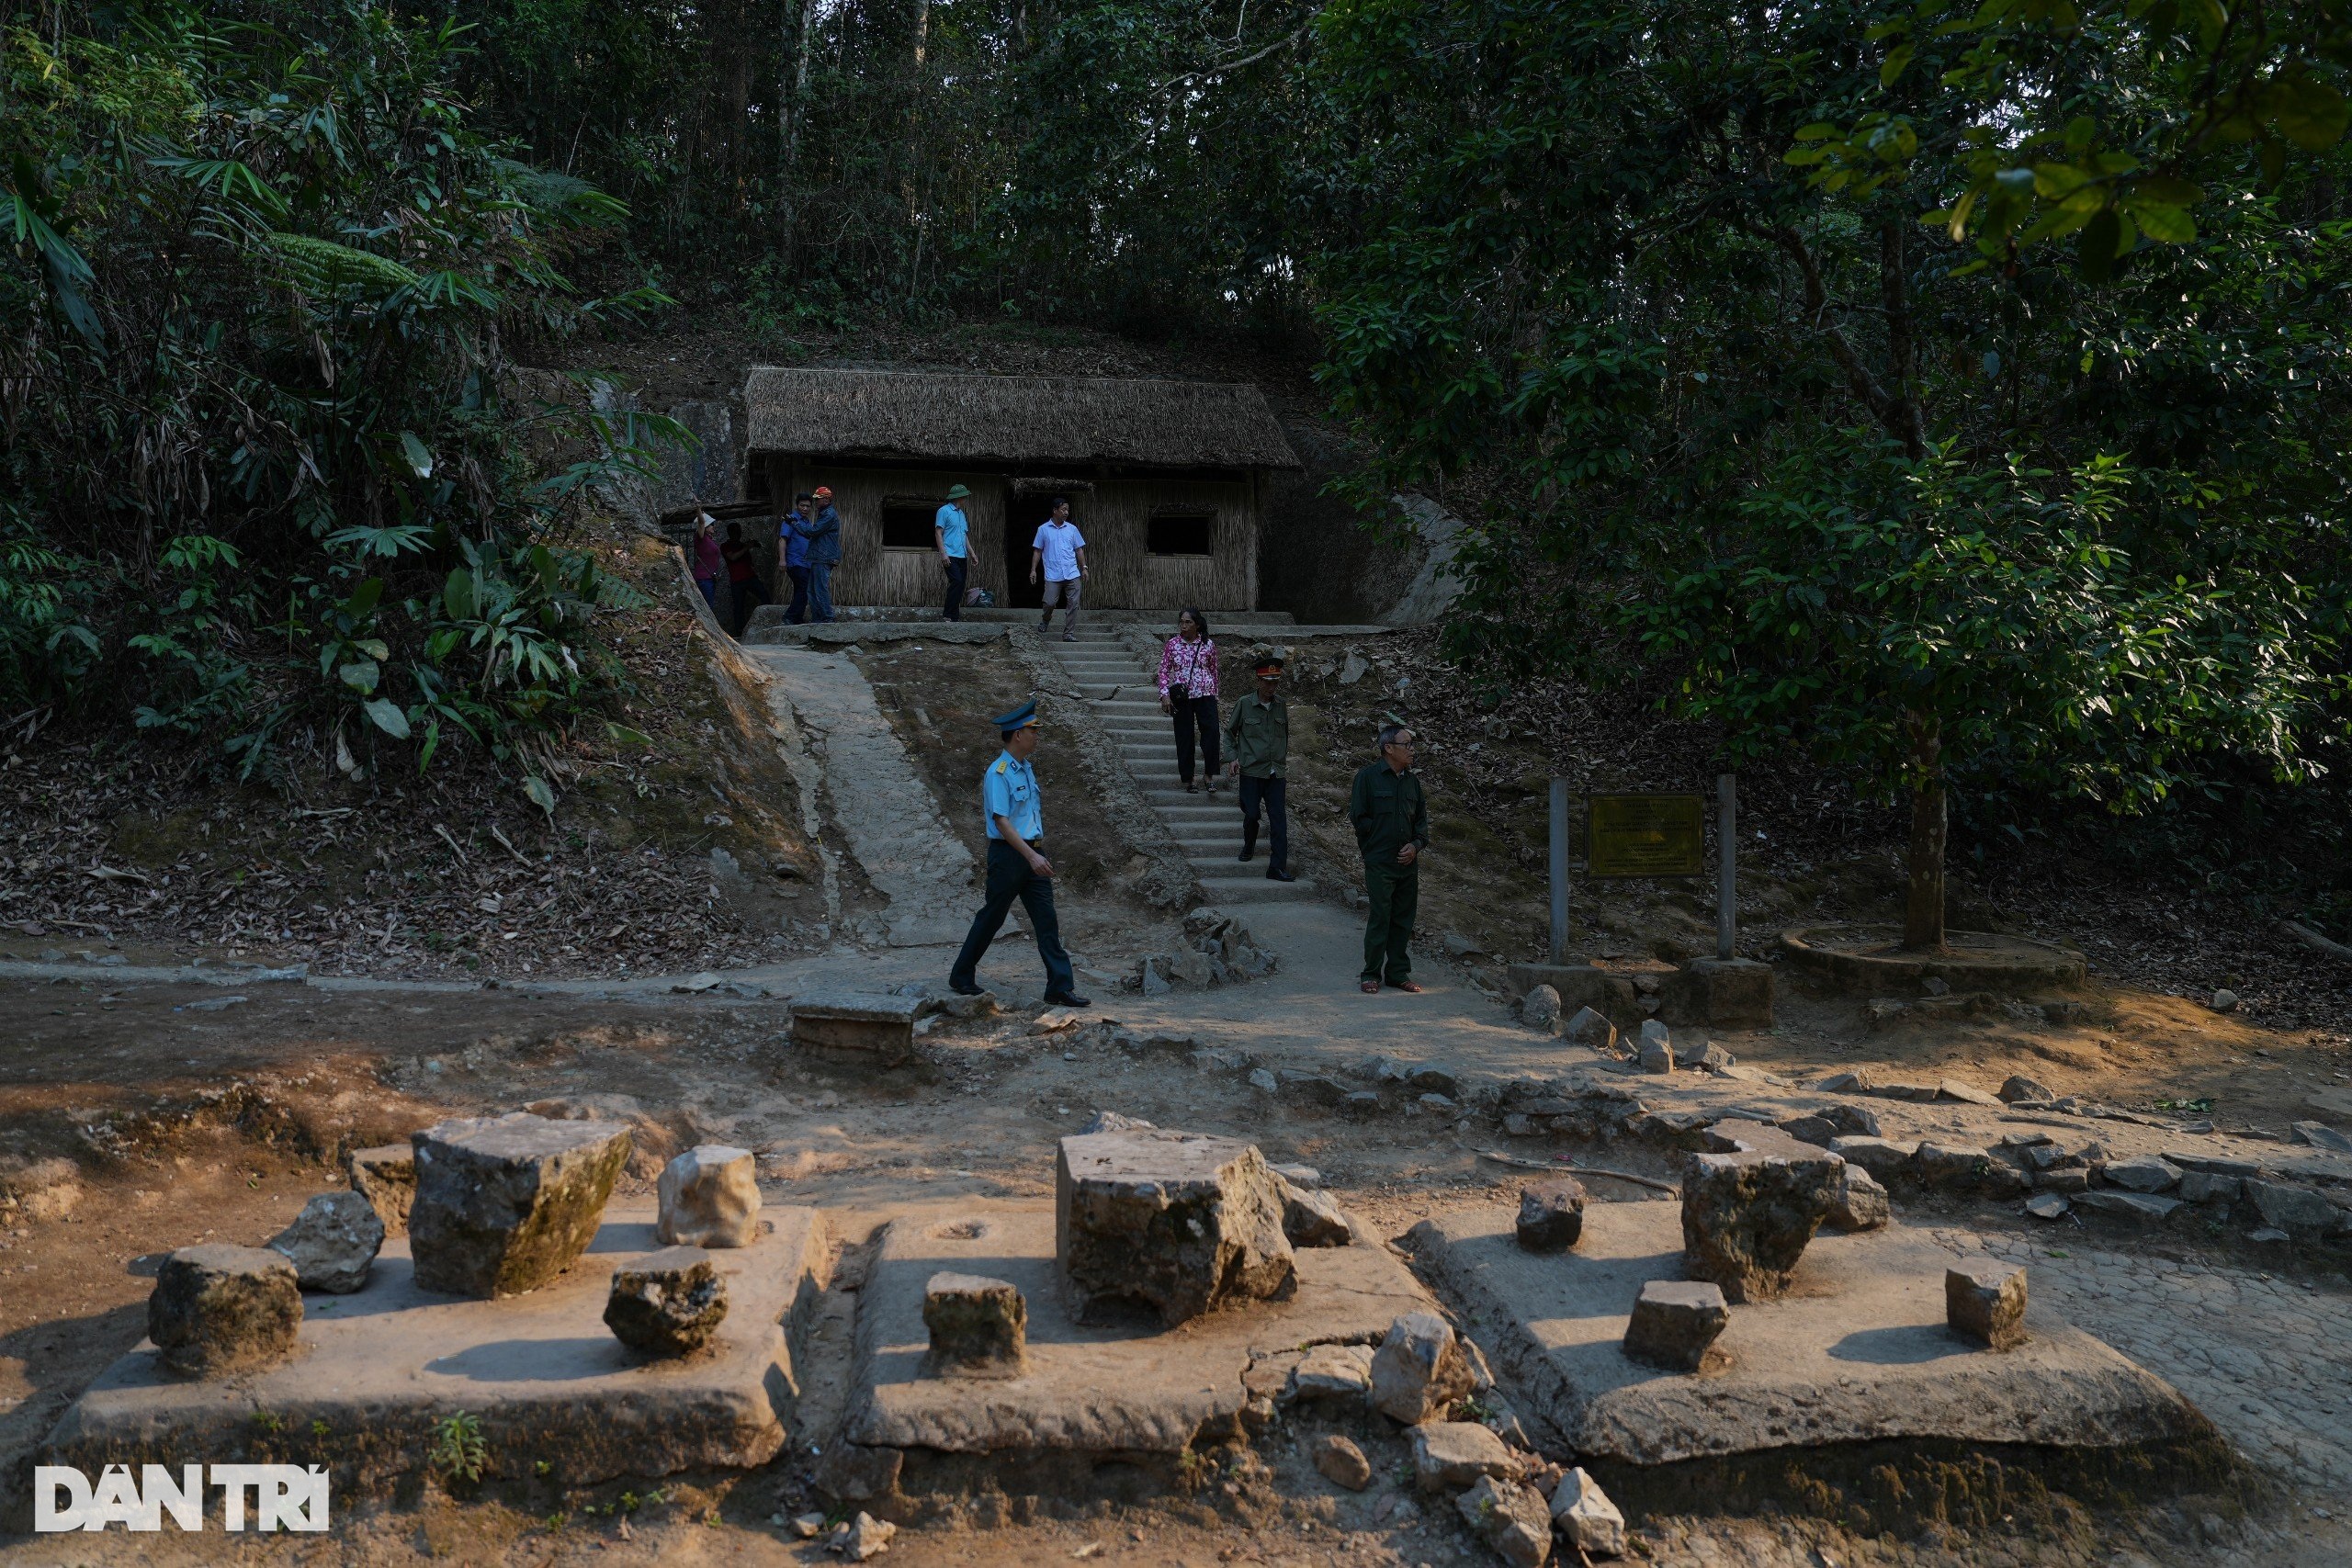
x=1125, y=696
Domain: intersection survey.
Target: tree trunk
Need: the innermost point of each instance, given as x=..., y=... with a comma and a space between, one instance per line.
x=804, y=38
x=1923, y=909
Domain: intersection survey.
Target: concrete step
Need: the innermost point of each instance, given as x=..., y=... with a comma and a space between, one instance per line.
x=1253, y=890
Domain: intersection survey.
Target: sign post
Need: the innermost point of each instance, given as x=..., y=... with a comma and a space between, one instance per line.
x=1559, y=947
x=1726, y=863
x=1646, y=835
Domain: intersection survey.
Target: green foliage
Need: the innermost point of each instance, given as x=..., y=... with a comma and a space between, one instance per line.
x=264, y=281
x=457, y=1451
x=1652, y=289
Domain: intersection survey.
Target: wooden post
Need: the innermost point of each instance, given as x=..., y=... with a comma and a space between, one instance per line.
x=1559, y=945
x=1726, y=864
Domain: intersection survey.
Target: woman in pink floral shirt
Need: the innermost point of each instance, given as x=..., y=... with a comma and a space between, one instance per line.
x=1188, y=690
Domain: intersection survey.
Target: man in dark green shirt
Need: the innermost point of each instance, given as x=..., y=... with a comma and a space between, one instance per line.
x=1257, y=740
x=1392, y=818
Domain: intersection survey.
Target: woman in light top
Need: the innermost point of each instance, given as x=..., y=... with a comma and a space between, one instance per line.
x=1188, y=691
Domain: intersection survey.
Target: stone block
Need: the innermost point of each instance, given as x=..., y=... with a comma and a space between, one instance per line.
x=979, y=1326
x=505, y=1204
x=1332, y=1372
x=875, y=1029
x=2049, y=1206
x=1313, y=1219
x=1860, y=1203
x=1720, y=993
x=386, y=1176
x=1657, y=1055
x=331, y=1243
x=2062, y=1179
x=1581, y=986
x=1747, y=1218
x=1342, y=1462
x=1420, y=1369
x=1551, y=1214
x=1585, y=1516
x=1675, y=1324
x=2204, y=1187
x=1539, y=1009
x=1986, y=1303
x=2142, y=1173
x=1966, y=1094
x=667, y=1302
x=1450, y=1455
x=217, y=1310
x=1363, y=1105
x=2299, y=1210
x=710, y=1197
x=1299, y=1086
x=1590, y=1029
x=2141, y=1206
x=1512, y=1520
x=2017, y=1088
x=1180, y=1223
x=1966, y=1167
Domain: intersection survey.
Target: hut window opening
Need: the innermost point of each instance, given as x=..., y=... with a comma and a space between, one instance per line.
x=1180, y=532
x=907, y=524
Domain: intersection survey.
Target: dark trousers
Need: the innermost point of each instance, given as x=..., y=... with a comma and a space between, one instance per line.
x=798, y=611
x=1274, y=798
x=820, y=590
x=747, y=595
x=1191, y=711
x=709, y=586
x=1010, y=878
x=1395, y=892
x=957, y=568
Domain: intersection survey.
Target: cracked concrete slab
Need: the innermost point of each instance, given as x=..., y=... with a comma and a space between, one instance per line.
x=544, y=1376
x=882, y=808
x=1102, y=1390
x=1858, y=1352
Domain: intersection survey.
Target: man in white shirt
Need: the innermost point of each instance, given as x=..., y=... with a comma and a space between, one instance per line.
x=1059, y=554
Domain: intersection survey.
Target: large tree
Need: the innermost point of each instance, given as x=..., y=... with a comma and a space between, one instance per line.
x=1742, y=324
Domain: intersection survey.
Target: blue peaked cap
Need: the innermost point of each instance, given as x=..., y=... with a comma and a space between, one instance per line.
x=1021, y=717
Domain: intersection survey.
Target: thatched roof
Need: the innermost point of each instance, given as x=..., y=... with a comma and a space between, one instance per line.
x=1013, y=419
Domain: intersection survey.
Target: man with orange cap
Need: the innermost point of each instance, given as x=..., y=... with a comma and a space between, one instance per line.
x=824, y=554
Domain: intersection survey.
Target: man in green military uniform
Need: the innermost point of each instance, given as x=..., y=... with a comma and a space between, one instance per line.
x=1256, y=738
x=1392, y=819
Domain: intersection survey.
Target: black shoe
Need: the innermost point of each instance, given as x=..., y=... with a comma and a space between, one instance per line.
x=1249, y=852
x=966, y=988
x=1067, y=999
x=1280, y=876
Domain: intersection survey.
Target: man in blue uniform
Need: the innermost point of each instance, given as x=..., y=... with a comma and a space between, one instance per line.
x=1017, y=864
x=951, y=528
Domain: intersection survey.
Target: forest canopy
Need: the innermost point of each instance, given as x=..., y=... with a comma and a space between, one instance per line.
x=1959, y=395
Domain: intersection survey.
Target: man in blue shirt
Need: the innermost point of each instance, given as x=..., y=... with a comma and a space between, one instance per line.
x=824, y=554
x=1017, y=864
x=1059, y=554
x=792, y=533
x=952, y=531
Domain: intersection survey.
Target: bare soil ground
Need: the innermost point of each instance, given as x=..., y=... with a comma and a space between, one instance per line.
x=131, y=1128
x=453, y=873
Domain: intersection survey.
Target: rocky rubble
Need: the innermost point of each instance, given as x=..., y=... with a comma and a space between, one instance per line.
x=1217, y=950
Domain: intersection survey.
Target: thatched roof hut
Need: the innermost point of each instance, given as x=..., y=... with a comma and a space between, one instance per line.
x=1015, y=420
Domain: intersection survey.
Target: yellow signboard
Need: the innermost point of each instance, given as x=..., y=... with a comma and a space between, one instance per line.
x=1646, y=835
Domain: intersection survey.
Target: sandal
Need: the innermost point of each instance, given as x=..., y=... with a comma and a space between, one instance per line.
x=1406, y=986
x=1367, y=987
x=1189, y=789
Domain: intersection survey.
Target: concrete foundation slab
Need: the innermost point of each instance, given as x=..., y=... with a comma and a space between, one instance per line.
x=547, y=1379
x=856, y=1026
x=1127, y=1397
x=1858, y=1352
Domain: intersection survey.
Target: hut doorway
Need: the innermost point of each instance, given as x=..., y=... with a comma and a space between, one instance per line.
x=1024, y=512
